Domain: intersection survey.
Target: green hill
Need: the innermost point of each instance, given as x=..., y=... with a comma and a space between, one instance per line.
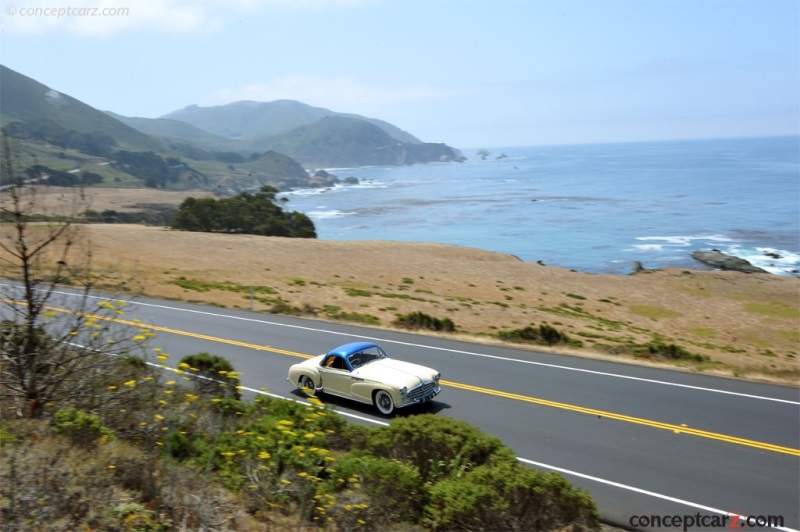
x=248, y=120
x=27, y=101
x=175, y=131
x=340, y=142
x=235, y=147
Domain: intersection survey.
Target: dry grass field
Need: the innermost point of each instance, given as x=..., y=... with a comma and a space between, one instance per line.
x=743, y=325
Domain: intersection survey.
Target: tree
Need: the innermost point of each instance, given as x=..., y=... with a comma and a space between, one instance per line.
x=56, y=338
x=252, y=214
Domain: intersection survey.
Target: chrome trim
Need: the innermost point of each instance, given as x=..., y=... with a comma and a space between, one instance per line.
x=420, y=394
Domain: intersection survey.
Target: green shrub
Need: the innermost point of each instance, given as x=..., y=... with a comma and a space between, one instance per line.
x=82, y=428
x=509, y=496
x=670, y=351
x=212, y=375
x=543, y=334
x=357, y=292
x=395, y=490
x=438, y=447
x=420, y=320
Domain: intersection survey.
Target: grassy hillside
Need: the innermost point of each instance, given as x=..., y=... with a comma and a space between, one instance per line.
x=24, y=99
x=726, y=323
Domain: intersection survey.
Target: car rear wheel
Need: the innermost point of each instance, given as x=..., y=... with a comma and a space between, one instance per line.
x=384, y=402
x=306, y=385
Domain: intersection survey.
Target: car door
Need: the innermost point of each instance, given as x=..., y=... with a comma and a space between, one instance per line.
x=336, y=377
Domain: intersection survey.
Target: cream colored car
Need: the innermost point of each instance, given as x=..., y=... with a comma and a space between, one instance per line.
x=362, y=371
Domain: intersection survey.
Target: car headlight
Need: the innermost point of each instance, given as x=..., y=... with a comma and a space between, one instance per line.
x=437, y=377
x=403, y=392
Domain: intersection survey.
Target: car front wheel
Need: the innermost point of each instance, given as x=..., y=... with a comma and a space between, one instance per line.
x=306, y=385
x=384, y=402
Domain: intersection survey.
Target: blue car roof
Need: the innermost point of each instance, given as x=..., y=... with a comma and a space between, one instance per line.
x=348, y=349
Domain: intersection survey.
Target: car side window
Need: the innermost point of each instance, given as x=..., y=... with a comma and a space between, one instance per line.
x=355, y=360
x=373, y=353
x=335, y=362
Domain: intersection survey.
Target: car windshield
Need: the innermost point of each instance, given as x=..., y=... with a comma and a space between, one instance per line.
x=366, y=356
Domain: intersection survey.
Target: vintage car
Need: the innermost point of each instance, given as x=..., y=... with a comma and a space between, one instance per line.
x=364, y=372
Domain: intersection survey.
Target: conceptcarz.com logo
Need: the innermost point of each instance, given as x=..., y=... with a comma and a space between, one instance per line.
x=686, y=522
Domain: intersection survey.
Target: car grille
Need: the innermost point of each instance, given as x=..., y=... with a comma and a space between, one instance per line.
x=423, y=390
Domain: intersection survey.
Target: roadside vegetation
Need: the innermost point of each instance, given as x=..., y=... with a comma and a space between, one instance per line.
x=98, y=431
x=174, y=457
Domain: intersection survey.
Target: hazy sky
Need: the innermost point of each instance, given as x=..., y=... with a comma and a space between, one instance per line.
x=470, y=73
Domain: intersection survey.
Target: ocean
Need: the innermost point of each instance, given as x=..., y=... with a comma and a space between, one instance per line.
x=595, y=208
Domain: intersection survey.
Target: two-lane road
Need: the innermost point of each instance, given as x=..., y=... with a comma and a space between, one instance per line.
x=642, y=441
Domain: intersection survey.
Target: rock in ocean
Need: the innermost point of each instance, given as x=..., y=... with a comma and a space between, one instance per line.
x=719, y=260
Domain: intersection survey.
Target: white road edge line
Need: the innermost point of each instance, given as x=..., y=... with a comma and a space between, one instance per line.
x=643, y=492
x=470, y=353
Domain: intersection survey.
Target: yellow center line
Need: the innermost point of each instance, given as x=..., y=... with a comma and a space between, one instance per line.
x=629, y=419
x=487, y=391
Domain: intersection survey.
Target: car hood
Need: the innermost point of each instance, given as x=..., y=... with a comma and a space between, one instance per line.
x=396, y=372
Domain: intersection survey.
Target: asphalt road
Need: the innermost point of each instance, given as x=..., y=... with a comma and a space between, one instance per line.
x=647, y=444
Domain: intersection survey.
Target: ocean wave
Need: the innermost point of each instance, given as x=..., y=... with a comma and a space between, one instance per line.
x=329, y=214
x=315, y=191
x=777, y=261
x=774, y=260
x=682, y=241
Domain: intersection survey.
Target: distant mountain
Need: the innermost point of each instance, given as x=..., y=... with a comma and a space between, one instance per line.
x=40, y=108
x=248, y=120
x=53, y=131
x=238, y=146
x=177, y=131
x=338, y=141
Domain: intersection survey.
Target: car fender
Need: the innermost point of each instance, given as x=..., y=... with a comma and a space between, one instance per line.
x=306, y=369
x=363, y=391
